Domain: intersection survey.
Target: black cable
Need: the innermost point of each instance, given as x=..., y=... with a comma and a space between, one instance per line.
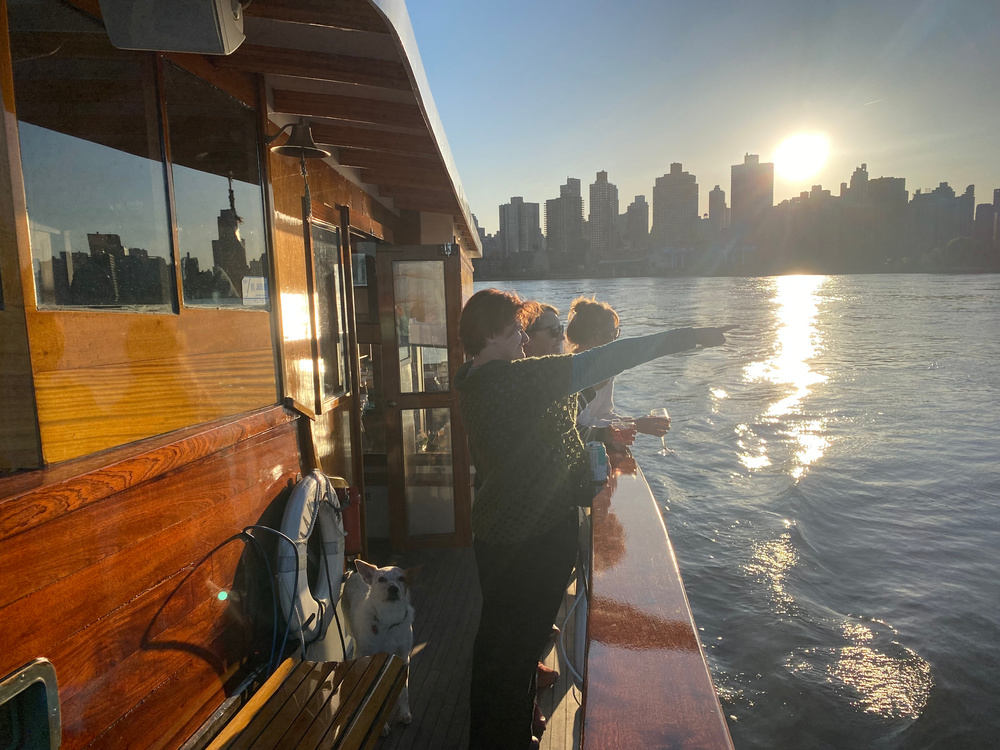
x=274, y=597
x=293, y=610
x=333, y=599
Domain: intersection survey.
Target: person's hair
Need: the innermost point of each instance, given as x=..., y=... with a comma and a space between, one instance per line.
x=532, y=311
x=588, y=318
x=485, y=315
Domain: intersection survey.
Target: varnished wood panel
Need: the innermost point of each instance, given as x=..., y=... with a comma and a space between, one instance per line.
x=19, y=445
x=350, y=108
x=183, y=703
x=89, y=409
x=366, y=158
x=320, y=66
x=640, y=632
x=118, y=581
x=124, y=519
x=23, y=504
x=341, y=14
x=67, y=339
x=353, y=136
x=432, y=179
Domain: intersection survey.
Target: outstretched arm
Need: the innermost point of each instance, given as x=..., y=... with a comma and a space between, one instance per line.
x=600, y=363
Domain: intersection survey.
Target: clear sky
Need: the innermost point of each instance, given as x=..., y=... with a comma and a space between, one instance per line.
x=533, y=91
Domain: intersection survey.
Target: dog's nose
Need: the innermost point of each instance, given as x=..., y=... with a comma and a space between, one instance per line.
x=393, y=592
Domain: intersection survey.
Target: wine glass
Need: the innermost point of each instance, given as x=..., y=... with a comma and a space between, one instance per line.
x=664, y=451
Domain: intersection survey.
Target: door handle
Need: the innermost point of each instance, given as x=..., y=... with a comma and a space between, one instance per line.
x=390, y=403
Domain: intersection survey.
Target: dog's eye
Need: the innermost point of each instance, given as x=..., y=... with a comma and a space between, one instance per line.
x=381, y=579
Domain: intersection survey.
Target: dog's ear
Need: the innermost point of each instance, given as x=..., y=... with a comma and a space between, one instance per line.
x=410, y=574
x=366, y=570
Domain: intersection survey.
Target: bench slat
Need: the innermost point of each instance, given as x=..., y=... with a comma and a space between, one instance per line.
x=250, y=711
x=279, y=730
x=318, y=706
x=380, y=700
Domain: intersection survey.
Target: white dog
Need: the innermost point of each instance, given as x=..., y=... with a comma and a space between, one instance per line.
x=380, y=618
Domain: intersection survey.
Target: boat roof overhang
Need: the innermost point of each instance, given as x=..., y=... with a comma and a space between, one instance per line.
x=352, y=68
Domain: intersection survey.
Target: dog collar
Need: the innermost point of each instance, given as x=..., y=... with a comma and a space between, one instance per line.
x=375, y=623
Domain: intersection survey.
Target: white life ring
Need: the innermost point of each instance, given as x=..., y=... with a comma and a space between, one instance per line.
x=313, y=502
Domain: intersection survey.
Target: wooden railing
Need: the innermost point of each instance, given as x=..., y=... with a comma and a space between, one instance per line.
x=647, y=684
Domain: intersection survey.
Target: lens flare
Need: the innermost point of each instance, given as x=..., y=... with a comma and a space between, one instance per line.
x=801, y=156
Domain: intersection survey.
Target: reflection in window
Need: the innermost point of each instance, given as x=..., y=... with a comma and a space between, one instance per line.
x=217, y=194
x=429, y=472
x=421, y=330
x=330, y=310
x=361, y=250
x=90, y=153
x=370, y=399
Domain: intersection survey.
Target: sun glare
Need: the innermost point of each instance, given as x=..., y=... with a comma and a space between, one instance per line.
x=801, y=156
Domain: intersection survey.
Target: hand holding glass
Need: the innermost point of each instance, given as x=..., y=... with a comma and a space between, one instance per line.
x=665, y=451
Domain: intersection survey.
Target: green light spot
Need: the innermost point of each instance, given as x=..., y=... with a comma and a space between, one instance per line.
x=223, y=595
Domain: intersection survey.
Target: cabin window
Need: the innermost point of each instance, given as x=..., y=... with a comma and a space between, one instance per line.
x=94, y=177
x=219, y=206
x=361, y=250
x=96, y=186
x=421, y=330
x=329, y=310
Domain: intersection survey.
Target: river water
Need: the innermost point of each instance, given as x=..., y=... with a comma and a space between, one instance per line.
x=833, y=497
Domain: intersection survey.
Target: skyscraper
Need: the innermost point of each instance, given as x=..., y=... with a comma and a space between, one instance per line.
x=675, y=209
x=859, y=187
x=751, y=193
x=637, y=223
x=603, y=215
x=520, y=231
x=564, y=219
x=718, y=212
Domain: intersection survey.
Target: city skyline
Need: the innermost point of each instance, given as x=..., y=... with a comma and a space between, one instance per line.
x=911, y=89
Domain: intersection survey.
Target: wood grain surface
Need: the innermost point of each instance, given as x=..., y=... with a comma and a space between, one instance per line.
x=647, y=681
x=114, y=570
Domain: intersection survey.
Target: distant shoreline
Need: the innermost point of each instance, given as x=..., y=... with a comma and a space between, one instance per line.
x=762, y=274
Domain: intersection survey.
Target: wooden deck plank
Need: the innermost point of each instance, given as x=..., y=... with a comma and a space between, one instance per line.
x=446, y=600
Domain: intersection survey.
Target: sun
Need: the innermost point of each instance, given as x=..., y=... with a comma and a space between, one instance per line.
x=801, y=156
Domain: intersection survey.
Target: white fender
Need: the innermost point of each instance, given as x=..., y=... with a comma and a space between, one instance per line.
x=313, y=502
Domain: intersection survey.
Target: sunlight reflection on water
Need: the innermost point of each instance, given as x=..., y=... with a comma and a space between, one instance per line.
x=797, y=340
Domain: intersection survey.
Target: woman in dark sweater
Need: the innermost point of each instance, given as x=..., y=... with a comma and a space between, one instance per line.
x=532, y=475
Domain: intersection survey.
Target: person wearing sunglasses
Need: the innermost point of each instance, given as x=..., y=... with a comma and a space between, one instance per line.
x=593, y=324
x=545, y=332
x=532, y=476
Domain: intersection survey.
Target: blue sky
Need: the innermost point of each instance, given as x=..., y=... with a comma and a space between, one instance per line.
x=533, y=92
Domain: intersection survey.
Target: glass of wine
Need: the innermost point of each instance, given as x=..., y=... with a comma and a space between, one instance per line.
x=664, y=451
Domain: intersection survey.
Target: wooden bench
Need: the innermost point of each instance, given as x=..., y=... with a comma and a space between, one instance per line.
x=318, y=706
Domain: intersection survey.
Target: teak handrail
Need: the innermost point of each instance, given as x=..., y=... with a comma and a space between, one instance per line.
x=647, y=683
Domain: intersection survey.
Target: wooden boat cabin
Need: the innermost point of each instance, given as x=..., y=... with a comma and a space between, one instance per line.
x=191, y=320
x=233, y=249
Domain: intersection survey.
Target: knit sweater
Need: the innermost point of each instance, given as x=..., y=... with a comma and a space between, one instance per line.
x=530, y=465
x=520, y=417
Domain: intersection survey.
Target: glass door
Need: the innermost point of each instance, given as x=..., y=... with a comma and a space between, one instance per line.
x=420, y=298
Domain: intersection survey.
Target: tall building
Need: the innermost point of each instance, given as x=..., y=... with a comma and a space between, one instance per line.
x=888, y=193
x=520, y=230
x=718, y=211
x=637, y=223
x=938, y=216
x=751, y=193
x=564, y=219
x=996, y=219
x=675, y=209
x=857, y=193
x=603, y=216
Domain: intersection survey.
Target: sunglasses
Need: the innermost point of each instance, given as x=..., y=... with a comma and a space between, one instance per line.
x=553, y=331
